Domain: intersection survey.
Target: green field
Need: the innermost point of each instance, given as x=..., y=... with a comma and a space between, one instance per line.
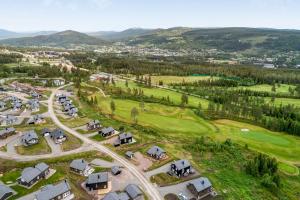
x=178, y=79
x=284, y=101
x=159, y=93
x=283, y=89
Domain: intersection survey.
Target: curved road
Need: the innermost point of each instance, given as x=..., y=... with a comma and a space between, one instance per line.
x=148, y=187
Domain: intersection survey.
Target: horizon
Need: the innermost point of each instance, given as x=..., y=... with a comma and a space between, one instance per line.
x=89, y=32
x=116, y=15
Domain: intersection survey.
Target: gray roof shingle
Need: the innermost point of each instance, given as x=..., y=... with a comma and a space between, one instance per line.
x=181, y=164
x=155, y=150
x=201, y=183
x=101, y=177
x=4, y=190
x=51, y=191
x=79, y=164
x=133, y=191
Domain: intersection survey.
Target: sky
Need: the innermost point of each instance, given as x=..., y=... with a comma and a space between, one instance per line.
x=105, y=15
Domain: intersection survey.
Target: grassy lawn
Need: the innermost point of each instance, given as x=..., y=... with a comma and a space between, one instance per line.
x=37, y=149
x=11, y=176
x=42, y=110
x=165, y=118
x=178, y=79
x=159, y=93
x=164, y=179
x=74, y=122
x=283, y=89
x=71, y=143
x=284, y=101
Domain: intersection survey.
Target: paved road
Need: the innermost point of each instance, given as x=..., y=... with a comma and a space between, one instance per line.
x=148, y=187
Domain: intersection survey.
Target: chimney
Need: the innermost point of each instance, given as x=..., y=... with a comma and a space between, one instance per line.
x=183, y=162
x=98, y=176
x=202, y=182
x=82, y=161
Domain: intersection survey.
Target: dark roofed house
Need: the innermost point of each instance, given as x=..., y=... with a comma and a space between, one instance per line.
x=46, y=132
x=68, y=107
x=36, y=119
x=34, y=105
x=123, y=138
x=17, y=106
x=54, y=192
x=181, y=168
x=115, y=196
x=7, y=132
x=200, y=187
x=81, y=167
x=58, y=136
x=8, y=120
x=156, y=152
x=116, y=170
x=105, y=132
x=32, y=175
x=93, y=125
x=133, y=191
x=35, y=95
x=5, y=192
x=97, y=181
x=29, y=138
x=72, y=112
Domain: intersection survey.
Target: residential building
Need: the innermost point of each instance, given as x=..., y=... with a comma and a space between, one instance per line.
x=32, y=175
x=106, y=132
x=7, y=132
x=60, y=191
x=133, y=191
x=8, y=120
x=58, y=136
x=29, y=138
x=93, y=125
x=200, y=187
x=81, y=167
x=5, y=192
x=97, y=181
x=2, y=105
x=156, y=152
x=46, y=132
x=123, y=138
x=36, y=119
x=181, y=168
x=115, y=196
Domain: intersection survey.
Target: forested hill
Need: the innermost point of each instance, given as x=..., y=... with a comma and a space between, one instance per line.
x=226, y=39
x=62, y=39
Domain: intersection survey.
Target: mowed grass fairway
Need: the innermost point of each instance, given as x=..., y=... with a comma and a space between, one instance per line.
x=282, y=146
x=284, y=101
x=164, y=118
x=283, y=89
x=160, y=93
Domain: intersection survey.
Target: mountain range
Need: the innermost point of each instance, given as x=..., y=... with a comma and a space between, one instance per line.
x=223, y=39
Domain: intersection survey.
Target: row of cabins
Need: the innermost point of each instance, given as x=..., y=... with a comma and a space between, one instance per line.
x=30, y=137
x=34, y=105
x=36, y=119
x=131, y=191
x=67, y=105
x=8, y=120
